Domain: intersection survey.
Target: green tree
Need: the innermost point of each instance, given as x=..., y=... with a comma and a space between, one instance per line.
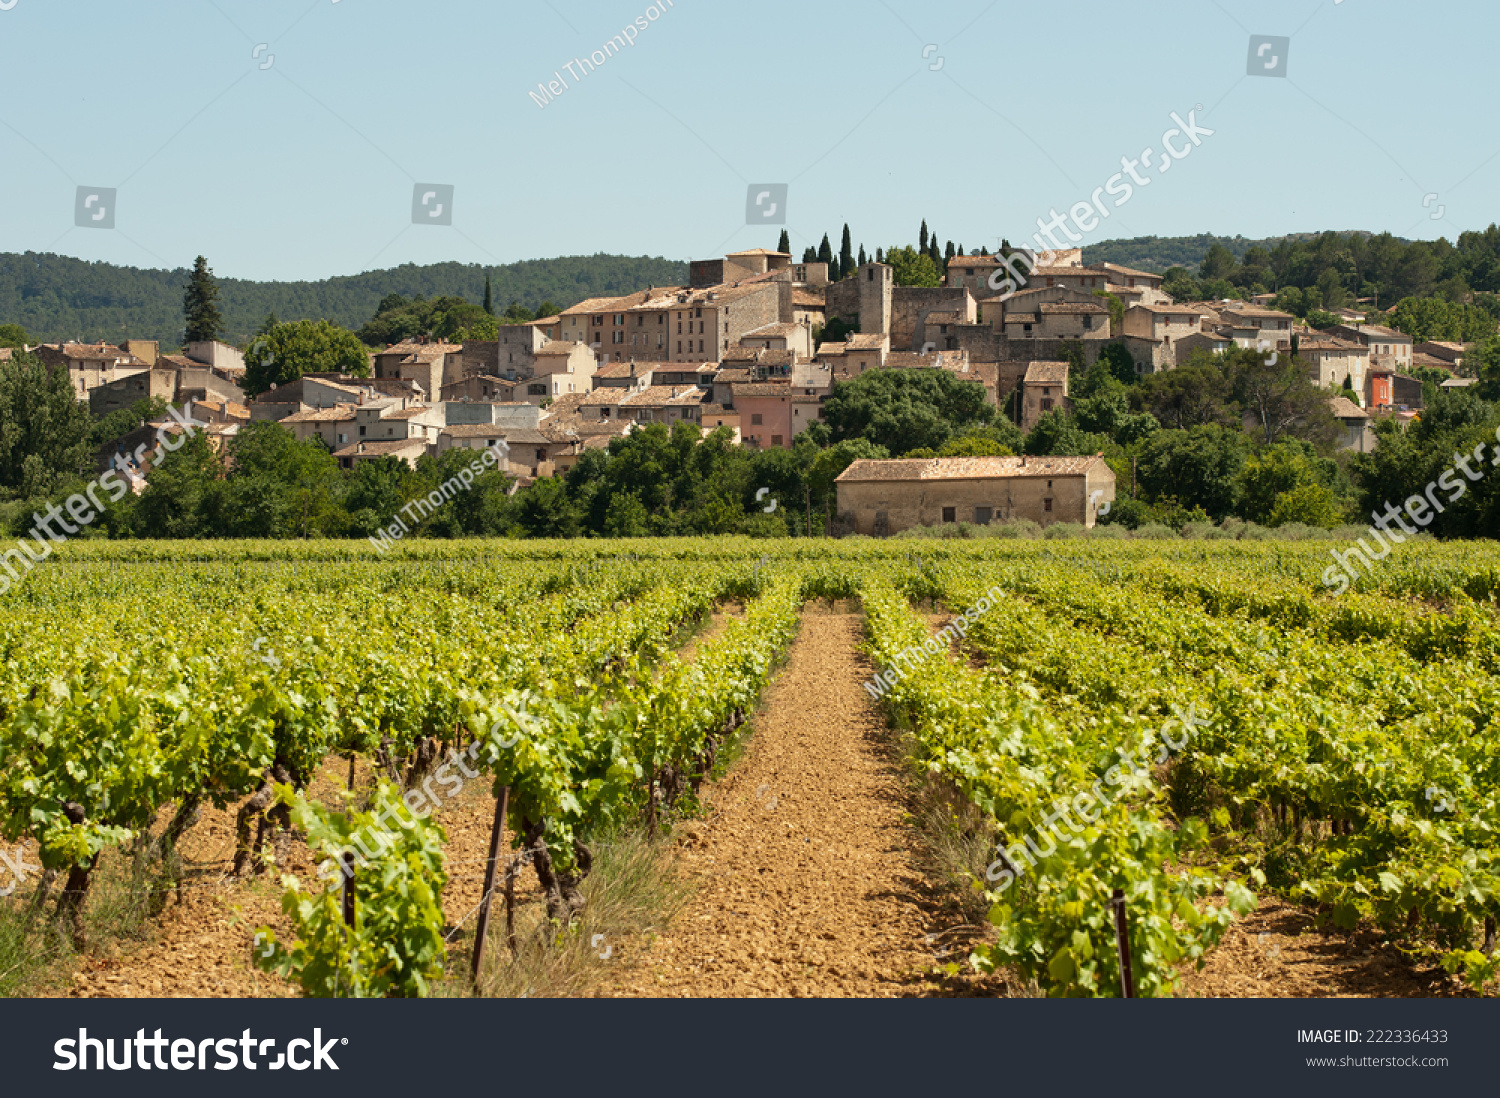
x=1180, y=285
x=489, y=297
x=1309, y=504
x=912, y=268
x=44, y=429
x=1279, y=470
x=13, y=335
x=1219, y=262
x=300, y=347
x=184, y=496
x=544, y=510
x=1199, y=467
x=627, y=517
x=846, y=254
x=825, y=255
x=902, y=410
x=124, y=420
x=200, y=303
x=1275, y=391
x=784, y=244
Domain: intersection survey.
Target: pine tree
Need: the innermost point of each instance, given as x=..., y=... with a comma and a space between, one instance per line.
x=489, y=298
x=922, y=240
x=785, y=243
x=809, y=255
x=846, y=253
x=948, y=252
x=200, y=302
x=862, y=259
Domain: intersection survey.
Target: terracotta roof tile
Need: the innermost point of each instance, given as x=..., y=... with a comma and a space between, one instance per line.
x=968, y=468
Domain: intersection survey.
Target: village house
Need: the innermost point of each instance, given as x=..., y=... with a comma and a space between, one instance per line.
x=335, y=426
x=886, y=497
x=431, y=365
x=1044, y=388
x=1450, y=355
x=765, y=410
x=1330, y=360
x=1359, y=434
x=408, y=450
x=1250, y=326
x=483, y=387
x=1387, y=347
x=781, y=337
x=511, y=355
x=90, y=365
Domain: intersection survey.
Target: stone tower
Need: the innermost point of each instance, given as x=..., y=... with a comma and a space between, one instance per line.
x=876, y=286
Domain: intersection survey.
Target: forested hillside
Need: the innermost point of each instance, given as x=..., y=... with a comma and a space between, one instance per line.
x=57, y=297
x=1158, y=253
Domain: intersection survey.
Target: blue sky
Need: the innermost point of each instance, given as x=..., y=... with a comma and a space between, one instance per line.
x=306, y=167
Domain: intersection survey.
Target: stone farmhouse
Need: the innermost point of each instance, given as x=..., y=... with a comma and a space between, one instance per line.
x=886, y=497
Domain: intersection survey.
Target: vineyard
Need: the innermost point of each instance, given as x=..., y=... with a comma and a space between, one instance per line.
x=1192, y=728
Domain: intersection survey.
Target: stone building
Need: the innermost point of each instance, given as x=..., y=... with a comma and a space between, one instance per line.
x=886, y=497
x=1044, y=388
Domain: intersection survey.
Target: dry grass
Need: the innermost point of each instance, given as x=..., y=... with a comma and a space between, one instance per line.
x=632, y=891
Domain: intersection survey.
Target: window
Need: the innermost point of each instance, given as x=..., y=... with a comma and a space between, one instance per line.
x=950, y=514
x=619, y=337
x=700, y=346
x=679, y=346
x=1088, y=323
x=619, y=319
x=1046, y=404
x=983, y=515
x=361, y=432
x=640, y=322
x=598, y=322
x=1047, y=506
x=775, y=440
x=755, y=419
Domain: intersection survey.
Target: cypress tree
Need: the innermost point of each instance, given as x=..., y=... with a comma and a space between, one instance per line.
x=489, y=300
x=200, y=303
x=785, y=243
x=922, y=240
x=825, y=255
x=879, y=255
x=846, y=253
x=862, y=259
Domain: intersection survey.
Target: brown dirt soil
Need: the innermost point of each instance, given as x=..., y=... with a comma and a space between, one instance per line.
x=804, y=871
x=201, y=947
x=1279, y=952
